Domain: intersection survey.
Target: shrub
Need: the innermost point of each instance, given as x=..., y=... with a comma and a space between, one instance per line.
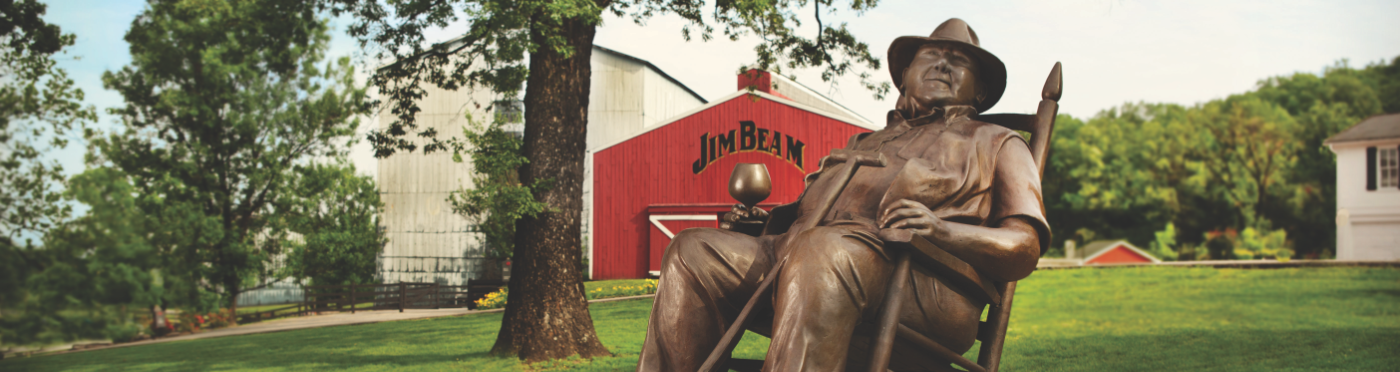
x=186, y=322
x=193, y=322
x=1253, y=244
x=1219, y=245
x=493, y=300
x=123, y=332
x=219, y=319
x=1163, y=246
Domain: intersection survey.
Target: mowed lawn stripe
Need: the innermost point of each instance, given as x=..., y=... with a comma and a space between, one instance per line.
x=1115, y=319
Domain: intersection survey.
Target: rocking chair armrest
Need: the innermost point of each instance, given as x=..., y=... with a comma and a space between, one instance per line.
x=931, y=258
x=780, y=219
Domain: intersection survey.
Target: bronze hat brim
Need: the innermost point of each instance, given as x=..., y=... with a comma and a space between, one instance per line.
x=991, y=71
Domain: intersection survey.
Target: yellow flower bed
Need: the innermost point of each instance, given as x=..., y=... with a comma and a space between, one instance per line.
x=493, y=300
x=496, y=300
x=648, y=287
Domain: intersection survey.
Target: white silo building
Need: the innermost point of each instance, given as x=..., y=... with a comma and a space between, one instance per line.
x=427, y=242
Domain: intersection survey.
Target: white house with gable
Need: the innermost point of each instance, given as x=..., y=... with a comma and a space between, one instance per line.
x=1368, y=189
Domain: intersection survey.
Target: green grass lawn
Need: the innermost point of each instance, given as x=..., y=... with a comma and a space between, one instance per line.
x=1121, y=319
x=253, y=309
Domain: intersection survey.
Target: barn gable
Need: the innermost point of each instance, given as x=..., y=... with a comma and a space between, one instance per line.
x=1115, y=252
x=673, y=175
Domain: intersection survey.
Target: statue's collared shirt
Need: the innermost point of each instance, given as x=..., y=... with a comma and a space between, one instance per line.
x=964, y=170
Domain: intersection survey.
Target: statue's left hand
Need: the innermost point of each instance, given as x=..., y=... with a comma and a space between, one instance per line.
x=909, y=214
x=745, y=220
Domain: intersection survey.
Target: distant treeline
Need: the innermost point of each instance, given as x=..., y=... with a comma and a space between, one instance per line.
x=1246, y=176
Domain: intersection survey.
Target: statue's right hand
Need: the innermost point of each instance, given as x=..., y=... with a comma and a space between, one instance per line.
x=741, y=216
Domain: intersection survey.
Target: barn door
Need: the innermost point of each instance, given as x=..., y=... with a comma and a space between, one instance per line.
x=663, y=227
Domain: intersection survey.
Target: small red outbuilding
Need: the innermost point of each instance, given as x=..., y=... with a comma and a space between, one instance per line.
x=1115, y=252
x=673, y=176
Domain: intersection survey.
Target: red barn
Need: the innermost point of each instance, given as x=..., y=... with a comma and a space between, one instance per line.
x=674, y=175
x=1115, y=252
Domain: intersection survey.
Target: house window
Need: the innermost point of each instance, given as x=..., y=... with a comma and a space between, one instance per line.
x=1388, y=167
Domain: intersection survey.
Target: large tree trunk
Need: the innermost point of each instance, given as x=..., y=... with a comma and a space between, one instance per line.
x=546, y=313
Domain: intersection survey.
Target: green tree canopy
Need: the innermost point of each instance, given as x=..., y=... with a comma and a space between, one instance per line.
x=334, y=212
x=95, y=267
x=496, y=198
x=1252, y=161
x=39, y=105
x=224, y=98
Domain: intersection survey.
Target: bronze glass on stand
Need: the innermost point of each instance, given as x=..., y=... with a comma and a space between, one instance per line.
x=750, y=185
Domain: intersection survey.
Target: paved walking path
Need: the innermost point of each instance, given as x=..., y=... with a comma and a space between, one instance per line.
x=318, y=321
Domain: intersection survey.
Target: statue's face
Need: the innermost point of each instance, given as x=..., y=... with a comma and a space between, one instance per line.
x=940, y=76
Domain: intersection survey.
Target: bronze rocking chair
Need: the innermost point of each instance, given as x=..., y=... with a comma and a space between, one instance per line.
x=918, y=251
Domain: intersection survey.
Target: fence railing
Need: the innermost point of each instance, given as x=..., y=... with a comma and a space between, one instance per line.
x=400, y=296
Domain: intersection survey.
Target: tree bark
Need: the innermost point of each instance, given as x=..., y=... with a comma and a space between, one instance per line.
x=546, y=314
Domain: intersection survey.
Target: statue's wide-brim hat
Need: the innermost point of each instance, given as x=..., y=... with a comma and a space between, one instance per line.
x=953, y=32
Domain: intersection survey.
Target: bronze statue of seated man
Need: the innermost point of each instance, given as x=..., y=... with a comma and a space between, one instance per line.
x=967, y=186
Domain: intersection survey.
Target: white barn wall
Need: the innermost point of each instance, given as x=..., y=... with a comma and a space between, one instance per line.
x=664, y=100
x=427, y=242
x=614, y=99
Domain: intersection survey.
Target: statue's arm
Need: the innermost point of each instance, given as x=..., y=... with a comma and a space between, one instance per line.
x=1009, y=246
x=1007, y=251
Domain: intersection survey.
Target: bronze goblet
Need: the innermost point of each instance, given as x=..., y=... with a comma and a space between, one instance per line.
x=750, y=184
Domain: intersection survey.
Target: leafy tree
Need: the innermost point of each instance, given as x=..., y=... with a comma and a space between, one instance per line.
x=1118, y=174
x=223, y=99
x=1252, y=160
x=558, y=38
x=1388, y=83
x=1249, y=146
x=335, y=213
x=497, y=198
x=1203, y=168
x=95, y=270
x=38, y=106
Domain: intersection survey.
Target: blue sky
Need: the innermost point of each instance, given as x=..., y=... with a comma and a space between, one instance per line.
x=1113, y=51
